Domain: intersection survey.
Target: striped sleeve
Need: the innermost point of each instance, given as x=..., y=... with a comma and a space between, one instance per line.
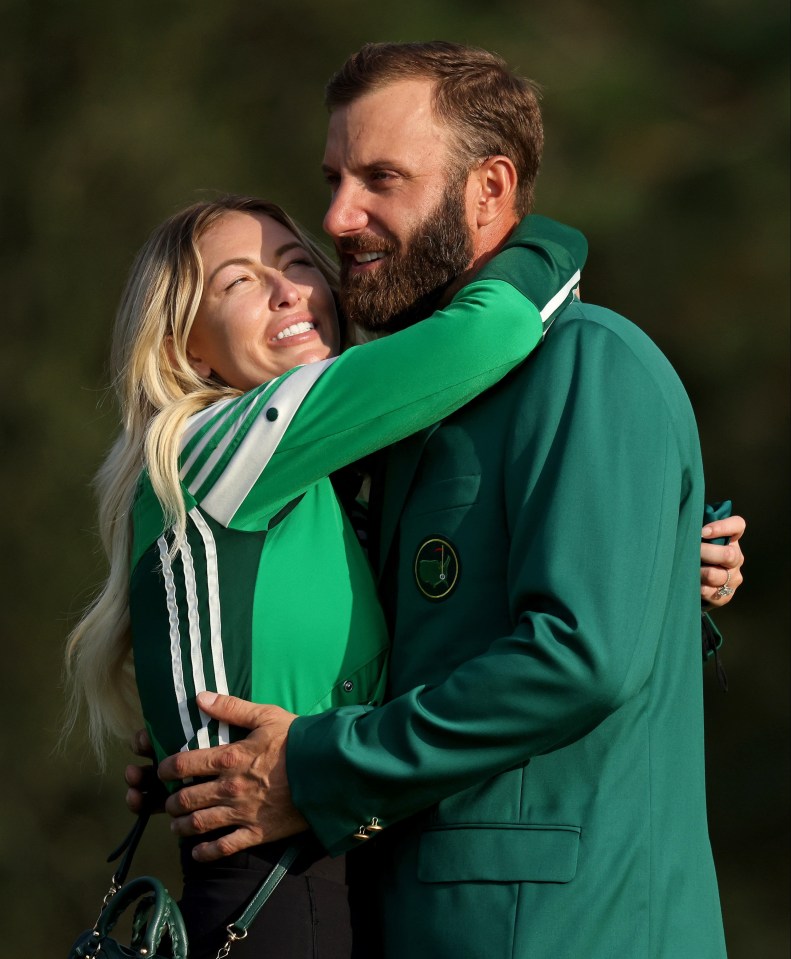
x=226, y=455
x=244, y=458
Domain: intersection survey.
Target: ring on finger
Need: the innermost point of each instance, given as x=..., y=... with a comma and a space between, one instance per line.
x=725, y=589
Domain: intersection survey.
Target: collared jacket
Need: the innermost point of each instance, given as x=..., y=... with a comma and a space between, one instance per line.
x=535, y=781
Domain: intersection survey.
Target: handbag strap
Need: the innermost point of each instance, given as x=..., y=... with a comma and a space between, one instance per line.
x=128, y=848
x=236, y=930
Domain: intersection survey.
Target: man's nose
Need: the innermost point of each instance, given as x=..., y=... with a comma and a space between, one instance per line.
x=346, y=213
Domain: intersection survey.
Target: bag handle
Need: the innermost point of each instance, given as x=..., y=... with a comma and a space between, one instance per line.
x=155, y=916
x=236, y=930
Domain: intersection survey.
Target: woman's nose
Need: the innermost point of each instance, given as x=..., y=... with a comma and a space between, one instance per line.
x=285, y=293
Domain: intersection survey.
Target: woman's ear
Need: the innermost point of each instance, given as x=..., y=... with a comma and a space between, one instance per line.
x=495, y=189
x=200, y=366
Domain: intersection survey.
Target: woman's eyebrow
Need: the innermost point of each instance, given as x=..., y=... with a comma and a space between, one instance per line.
x=235, y=261
x=295, y=244
x=247, y=261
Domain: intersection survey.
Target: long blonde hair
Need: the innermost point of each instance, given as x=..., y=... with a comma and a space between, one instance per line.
x=157, y=390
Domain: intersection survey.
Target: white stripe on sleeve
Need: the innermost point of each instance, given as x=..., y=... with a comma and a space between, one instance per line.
x=255, y=451
x=222, y=410
x=557, y=300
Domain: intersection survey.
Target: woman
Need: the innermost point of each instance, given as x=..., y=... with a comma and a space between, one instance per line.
x=239, y=571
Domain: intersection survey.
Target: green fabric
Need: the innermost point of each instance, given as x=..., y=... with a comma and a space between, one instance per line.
x=296, y=620
x=507, y=853
x=543, y=691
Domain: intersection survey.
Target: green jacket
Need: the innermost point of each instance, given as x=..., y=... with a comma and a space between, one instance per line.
x=538, y=768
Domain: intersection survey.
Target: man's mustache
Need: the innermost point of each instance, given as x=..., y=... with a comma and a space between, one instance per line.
x=365, y=243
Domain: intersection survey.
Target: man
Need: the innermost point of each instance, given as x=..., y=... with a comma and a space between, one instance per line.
x=534, y=785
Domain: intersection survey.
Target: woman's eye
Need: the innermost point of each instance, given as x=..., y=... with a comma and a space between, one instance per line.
x=237, y=281
x=302, y=262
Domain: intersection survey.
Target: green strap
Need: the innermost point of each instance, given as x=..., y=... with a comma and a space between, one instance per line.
x=265, y=890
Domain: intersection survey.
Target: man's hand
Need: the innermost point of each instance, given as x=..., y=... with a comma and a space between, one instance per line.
x=721, y=560
x=250, y=789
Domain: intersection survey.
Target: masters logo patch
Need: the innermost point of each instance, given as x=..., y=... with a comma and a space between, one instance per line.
x=436, y=568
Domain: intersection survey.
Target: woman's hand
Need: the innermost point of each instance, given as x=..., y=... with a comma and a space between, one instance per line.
x=145, y=788
x=721, y=566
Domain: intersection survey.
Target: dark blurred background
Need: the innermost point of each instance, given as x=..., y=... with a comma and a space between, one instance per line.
x=667, y=144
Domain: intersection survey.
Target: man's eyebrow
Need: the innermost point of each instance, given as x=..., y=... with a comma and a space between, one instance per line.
x=378, y=164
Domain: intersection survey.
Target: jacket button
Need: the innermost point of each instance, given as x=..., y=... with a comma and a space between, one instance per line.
x=271, y=414
x=348, y=686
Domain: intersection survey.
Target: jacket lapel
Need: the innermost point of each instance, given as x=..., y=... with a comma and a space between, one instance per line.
x=401, y=463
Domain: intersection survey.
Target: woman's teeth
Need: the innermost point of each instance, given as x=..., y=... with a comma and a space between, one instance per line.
x=302, y=327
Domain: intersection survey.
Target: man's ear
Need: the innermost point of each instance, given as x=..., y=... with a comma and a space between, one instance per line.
x=493, y=186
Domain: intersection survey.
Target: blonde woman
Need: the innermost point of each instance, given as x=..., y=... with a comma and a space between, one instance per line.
x=233, y=566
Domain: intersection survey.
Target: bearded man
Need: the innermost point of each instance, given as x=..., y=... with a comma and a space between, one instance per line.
x=534, y=785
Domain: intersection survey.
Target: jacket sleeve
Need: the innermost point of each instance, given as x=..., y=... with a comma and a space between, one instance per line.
x=246, y=458
x=593, y=508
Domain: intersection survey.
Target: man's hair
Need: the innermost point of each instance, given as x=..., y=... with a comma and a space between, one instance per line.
x=489, y=110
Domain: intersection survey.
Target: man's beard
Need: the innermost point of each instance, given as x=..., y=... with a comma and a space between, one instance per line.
x=410, y=283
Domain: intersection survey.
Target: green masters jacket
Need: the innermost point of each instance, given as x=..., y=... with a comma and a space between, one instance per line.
x=538, y=768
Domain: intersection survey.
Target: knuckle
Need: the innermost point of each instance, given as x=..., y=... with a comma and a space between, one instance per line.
x=178, y=765
x=196, y=822
x=225, y=846
x=229, y=758
x=180, y=801
x=231, y=788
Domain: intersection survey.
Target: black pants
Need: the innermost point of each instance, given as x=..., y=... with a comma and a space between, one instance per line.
x=307, y=916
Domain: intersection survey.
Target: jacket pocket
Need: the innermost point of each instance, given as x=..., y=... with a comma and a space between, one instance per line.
x=499, y=853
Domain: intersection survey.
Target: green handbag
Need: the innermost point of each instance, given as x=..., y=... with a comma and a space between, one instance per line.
x=157, y=919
